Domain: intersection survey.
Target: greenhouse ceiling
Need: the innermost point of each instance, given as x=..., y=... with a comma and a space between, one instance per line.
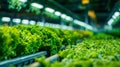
x=102, y=8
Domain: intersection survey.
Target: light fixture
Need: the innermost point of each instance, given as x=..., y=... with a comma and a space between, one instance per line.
x=79, y=22
x=113, y=16
x=92, y=14
x=23, y=1
x=32, y=22
x=85, y=2
x=116, y=14
x=16, y=20
x=57, y=13
x=83, y=24
x=6, y=19
x=64, y=27
x=69, y=18
x=40, y=23
x=52, y=25
x=37, y=5
x=49, y=10
x=25, y=21
x=47, y=24
x=63, y=16
x=57, y=25
x=110, y=22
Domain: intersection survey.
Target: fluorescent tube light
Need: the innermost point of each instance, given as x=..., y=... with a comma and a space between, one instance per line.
x=116, y=14
x=6, y=19
x=83, y=24
x=32, y=22
x=25, y=21
x=63, y=16
x=16, y=20
x=23, y=1
x=49, y=10
x=69, y=18
x=57, y=13
x=37, y=5
x=110, y=22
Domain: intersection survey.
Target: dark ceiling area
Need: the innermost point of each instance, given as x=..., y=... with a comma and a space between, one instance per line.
x=102, y=8
x=73, y=8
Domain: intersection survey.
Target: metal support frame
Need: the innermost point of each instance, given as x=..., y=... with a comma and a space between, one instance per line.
x=21, y=61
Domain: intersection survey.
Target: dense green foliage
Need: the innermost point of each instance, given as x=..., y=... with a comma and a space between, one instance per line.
x=23, y=40
x=115, y=32
x=103, y=36
x=98, y=51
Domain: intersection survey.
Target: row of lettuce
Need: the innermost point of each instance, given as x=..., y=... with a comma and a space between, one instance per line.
x=27, y=39
x=98, y=51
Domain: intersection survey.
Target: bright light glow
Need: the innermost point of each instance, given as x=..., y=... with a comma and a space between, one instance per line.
x=63, y=16
x=23, y=1
x=117, y=14
x=16, y=20
x=52, y=25
x=49, y=10
x=37, y=5
x=40, y=23
x=110, y=22
x=64, y=27
x=57, y=13
x=47, y=24
x=69, y=18
x=83, y=24
x=25, y=21
x=32, y=22
x=6, y=19
x=57, y=26
x=113, y=16
x=85, y=1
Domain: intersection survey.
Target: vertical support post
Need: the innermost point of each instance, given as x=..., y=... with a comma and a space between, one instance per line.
x=43, y=19
x=11, y=22
x=86, y=17
x=61, y=22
